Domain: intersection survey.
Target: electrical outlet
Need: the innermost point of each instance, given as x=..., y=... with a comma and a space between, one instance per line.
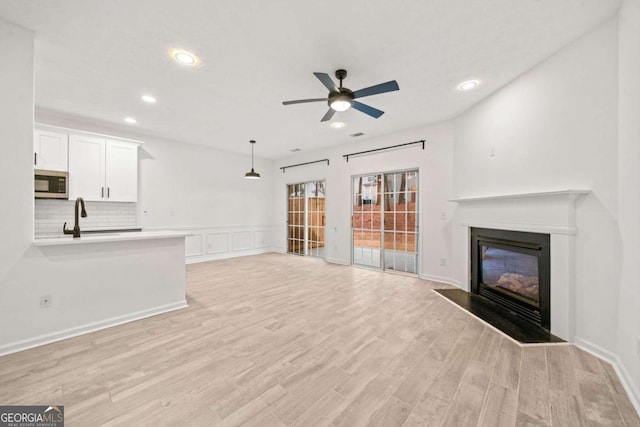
x=45, y=301
x=443, y=262
x=492, y=152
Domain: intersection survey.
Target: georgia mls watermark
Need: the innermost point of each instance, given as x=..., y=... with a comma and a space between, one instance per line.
x=32, y=416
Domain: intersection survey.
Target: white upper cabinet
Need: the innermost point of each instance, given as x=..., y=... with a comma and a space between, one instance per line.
x=86, y=167
x=102, y=169
x=50, y=150
x=121, y=171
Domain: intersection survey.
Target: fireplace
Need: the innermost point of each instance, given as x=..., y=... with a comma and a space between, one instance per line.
x=512, y=269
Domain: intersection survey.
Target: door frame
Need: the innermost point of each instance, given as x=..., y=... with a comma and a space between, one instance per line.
x=286, y=209
x=418, y=219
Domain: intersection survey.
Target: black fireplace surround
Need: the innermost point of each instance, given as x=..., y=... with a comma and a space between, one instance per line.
x=512, y=269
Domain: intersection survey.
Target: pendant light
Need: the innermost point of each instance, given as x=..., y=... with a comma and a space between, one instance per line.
x=253, y=174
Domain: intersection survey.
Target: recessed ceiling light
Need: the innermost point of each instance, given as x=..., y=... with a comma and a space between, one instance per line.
x=337, y=125
x=149, y=99
x=184, y=57
x=130, y=120
x=467, y=85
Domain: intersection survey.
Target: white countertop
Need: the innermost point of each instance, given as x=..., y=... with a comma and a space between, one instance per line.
x=68, y=239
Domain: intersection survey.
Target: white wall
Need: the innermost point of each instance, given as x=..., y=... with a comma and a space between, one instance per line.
x=556, y=127
x=434, y=164
x=191, y=185
x=16, y=135
x=553, y=128
x=628, y=315
x=203, y=191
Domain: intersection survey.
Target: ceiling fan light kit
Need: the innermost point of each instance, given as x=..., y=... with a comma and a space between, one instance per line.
x=341, y=98
x=340, y=104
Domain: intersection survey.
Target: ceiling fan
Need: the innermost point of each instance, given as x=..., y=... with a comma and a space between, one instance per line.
x=341, y=98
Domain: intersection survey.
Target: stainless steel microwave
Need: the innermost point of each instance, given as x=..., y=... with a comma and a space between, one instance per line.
x=51, y=184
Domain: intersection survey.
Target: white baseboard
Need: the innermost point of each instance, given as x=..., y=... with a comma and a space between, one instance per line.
x=445, y=280
x=226, y=255
x=88, y=328
x=625, y=378
x=337, y=261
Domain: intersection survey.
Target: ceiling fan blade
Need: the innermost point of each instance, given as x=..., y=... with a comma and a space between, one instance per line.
x=302, y=101
x=373, y=112
x=374, y=90
x=328, y=115
x=327, y=82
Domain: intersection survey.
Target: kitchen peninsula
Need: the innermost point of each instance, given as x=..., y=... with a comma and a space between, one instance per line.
x=98, y=281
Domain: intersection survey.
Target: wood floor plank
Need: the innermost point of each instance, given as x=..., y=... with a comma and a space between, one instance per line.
x=277, y=340
x=499, y=407
x=533, y=392
x=393, y=412
x=364, y=405
x=430, y=410
x=507, y=365
x=599, y=407
x=323, y=411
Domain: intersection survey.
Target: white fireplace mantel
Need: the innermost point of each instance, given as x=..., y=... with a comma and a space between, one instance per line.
x=551, y=212
x=553, y=193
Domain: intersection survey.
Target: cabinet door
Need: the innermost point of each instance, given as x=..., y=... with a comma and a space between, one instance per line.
x=121, y=169
x=86, y=168
x=50, y=150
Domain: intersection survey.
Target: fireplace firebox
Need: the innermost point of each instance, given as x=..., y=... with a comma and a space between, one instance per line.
x=512, y=269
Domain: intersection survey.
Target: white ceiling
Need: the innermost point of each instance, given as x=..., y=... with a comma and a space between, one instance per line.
x=95, y=58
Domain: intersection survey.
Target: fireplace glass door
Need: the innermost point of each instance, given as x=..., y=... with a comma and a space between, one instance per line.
x=512, y=269
x=513, y=273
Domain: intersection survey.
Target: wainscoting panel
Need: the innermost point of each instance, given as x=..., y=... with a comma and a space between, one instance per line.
x=193, y=245
x=242, y=240
x=219, y=242
x=262, y=239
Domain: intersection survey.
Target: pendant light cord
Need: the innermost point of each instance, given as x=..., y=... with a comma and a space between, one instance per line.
x=252, y=144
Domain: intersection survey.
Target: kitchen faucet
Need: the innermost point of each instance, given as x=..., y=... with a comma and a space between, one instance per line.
x=76, y=227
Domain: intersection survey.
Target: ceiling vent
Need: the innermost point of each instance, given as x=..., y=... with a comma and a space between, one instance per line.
x=355, y=135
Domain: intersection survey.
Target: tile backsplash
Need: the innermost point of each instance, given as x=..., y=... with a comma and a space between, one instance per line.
x=51, y=214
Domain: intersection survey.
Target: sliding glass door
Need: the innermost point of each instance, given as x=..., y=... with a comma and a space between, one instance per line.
x=385, y=221
x=401, y=221
x=367, y=220
x=306, y=218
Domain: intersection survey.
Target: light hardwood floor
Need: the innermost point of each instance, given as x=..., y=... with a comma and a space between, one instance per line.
x=279, y=340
